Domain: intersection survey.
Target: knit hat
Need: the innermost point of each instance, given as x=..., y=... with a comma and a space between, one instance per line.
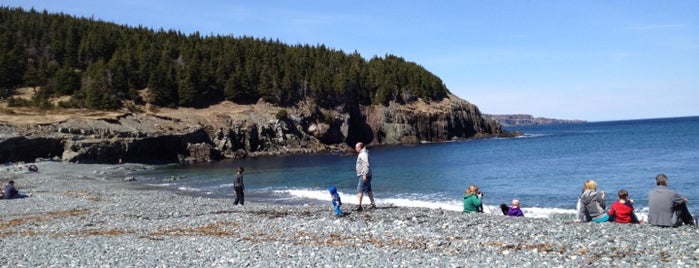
x=515, y=203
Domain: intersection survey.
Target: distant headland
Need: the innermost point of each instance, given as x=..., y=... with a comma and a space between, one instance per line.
x=528, y=120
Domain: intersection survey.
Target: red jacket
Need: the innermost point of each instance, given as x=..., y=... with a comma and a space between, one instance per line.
x=621, y=212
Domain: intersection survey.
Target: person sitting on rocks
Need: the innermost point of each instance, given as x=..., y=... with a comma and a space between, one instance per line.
x=9, y=191
x=473, y=200
x=622, y=210
x=591, y=205
x=513, y=210
x=667, y=208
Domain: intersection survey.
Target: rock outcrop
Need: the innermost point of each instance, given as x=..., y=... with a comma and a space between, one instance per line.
x=229, y=130
x=528, y=120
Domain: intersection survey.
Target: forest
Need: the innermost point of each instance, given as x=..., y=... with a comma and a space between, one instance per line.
x=106, y=66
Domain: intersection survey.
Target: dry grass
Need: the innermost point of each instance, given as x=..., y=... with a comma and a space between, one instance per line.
x=94, y=232
x=536, y=247
x=51, y=215
x=34, y=219
x=221, y=229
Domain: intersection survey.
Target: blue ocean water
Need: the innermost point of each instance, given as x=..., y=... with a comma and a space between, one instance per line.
x=545, y=169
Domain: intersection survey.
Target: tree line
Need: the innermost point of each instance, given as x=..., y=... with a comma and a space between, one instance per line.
x=102, y=65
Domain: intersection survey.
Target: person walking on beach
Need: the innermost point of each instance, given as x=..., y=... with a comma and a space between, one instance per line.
x=622, y=210
x=239, y=187
x=473, y=200
x=591, y=205
x=364, y=175
x=336, y=201
x=666, y=207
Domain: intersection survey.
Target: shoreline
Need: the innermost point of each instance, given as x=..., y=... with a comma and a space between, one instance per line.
x=87, y=209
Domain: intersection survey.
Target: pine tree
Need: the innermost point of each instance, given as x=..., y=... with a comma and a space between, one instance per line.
x=66, y=81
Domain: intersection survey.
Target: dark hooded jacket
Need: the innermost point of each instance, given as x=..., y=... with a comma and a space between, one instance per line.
x=9, y=191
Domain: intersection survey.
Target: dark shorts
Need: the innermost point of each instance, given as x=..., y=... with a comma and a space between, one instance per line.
x=364, y=186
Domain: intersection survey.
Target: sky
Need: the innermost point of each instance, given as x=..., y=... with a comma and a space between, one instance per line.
x=589, y=60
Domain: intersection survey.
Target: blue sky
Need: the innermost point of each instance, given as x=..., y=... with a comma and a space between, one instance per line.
x=590, y=60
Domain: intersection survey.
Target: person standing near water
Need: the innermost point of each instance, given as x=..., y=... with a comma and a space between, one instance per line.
x=364, y=175
x=239, y=187
x=336, y=201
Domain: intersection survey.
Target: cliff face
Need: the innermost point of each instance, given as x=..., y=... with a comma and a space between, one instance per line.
x=450, y=119
x=228, y=130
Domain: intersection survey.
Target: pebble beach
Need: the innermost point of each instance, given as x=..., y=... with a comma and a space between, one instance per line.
x=80, y=215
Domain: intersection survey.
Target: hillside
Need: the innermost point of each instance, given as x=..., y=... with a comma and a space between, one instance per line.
x=105, y=66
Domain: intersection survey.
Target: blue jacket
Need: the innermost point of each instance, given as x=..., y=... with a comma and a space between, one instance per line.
x=336, y=197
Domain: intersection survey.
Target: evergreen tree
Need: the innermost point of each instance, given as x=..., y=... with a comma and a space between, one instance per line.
x=97, y=89
x=163, y=90
x=114, y=62
x=12, y=62
x=66, y=81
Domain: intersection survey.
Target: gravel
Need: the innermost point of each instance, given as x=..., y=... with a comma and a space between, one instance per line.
x=82, y=215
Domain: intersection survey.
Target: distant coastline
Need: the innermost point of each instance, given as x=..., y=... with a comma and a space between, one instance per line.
x=528, y=120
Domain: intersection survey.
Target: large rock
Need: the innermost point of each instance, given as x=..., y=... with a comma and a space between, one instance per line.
x=200, y=152
x=450, y=119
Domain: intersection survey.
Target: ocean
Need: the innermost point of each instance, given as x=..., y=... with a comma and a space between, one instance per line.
x=544, y=169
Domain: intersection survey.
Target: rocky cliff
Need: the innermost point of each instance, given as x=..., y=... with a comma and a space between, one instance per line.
x=228, y=130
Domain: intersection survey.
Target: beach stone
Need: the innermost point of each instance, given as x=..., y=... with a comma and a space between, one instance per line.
x=113, y=222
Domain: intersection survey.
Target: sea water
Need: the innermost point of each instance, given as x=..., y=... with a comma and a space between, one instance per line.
x=544, y=169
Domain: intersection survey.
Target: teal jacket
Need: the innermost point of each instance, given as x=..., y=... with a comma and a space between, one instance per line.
x=472, y=203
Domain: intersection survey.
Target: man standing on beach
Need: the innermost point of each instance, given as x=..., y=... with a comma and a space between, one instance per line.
x=364, y=175
x=666, y=207
x=239, y=187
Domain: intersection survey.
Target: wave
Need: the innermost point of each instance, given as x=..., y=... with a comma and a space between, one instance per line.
x=319, y=196
x=455, y=205
x=533, y=135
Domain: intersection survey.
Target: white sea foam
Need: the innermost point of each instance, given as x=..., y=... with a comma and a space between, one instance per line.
x=534, y=135
x=166, y=184
x=189, y=189
x=455, y=205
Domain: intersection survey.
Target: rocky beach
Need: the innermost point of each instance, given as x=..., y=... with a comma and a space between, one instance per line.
x=80, y=215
